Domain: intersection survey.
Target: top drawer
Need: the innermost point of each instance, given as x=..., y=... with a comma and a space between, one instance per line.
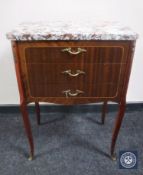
x=73, y=52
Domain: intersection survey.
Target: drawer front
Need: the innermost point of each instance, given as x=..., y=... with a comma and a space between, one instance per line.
x=70, y=73
x=105, y=90
x=102, y=54
x=54, y=70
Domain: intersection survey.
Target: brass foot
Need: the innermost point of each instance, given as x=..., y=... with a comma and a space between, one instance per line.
x=30, y=158
x=113, y=157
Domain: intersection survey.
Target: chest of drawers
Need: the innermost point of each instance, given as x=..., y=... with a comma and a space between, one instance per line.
x=71, y=70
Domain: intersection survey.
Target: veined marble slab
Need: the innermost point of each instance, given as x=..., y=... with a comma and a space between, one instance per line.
x=72, y=31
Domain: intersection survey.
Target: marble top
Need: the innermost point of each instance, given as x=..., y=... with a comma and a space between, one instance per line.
x=72, y=31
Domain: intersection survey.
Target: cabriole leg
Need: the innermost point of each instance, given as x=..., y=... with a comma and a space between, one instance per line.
x=27, y=128
x=37, y=107
x=117, y=128
x=104, y=110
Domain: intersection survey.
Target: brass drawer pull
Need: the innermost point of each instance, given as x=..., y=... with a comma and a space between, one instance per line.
x=69, y=50
x=69, y=72
x=69, y=94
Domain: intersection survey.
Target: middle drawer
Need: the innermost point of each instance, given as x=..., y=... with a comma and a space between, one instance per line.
x=43, y=73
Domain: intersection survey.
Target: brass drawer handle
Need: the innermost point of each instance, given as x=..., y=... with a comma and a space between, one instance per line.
x=69, y=50
x=69, y=72
x=69, y=94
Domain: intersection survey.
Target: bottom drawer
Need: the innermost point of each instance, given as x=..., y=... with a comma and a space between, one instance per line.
x=71, y=90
